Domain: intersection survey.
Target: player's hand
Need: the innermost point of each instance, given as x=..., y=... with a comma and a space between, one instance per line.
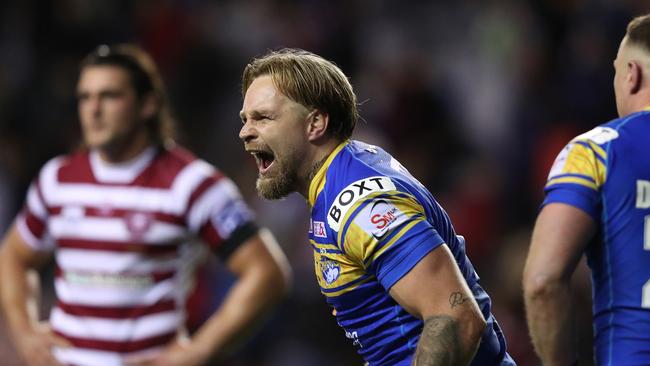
x=181, y=352
x=35, y=346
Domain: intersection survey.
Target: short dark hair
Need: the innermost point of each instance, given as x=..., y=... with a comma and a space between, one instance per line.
x=312, y=81
x=145, y=79
x=638, y=31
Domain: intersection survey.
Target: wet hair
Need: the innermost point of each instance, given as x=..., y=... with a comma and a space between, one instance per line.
x=638, y=31
x=312, y=81
x=145, y=79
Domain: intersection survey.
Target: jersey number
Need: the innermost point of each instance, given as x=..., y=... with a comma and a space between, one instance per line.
x=645, y=300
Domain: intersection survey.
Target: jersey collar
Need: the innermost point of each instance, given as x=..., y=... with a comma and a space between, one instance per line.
x=124, y=172
x=318, y=182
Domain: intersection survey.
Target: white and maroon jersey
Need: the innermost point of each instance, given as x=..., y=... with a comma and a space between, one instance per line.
x=121, y=236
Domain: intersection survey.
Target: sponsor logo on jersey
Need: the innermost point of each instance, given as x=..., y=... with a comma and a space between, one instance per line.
x=354, y=337
x=382, y=214
x=643, y=193
x=133, y=281
x=352, y=193
x=319, y=229
x=330, y=270
x=371, y=149
x=233, y=214
x=599, y=135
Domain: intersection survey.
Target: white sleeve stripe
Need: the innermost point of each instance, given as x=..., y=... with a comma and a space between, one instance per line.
x=27, y=236
x=191, y=176
x=212, y=200
x=35, y=203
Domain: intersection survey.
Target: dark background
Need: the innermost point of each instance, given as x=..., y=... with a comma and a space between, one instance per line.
x=474, y=97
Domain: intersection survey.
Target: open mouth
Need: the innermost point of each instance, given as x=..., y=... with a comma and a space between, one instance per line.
x=264, y=160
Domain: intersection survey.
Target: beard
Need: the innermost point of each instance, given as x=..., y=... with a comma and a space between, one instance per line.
x=280, y=183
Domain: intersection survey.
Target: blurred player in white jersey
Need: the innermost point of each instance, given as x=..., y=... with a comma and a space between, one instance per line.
x=121, y=217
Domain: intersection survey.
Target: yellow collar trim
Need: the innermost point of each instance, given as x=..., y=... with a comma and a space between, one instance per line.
x=318, y=182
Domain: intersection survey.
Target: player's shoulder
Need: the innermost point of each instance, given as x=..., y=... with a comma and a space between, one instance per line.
x=353, y=165
x=355, y=177
x=611, y=132
x=73, y=167
x=599, y=135
x=179, y=165
x=175, y=156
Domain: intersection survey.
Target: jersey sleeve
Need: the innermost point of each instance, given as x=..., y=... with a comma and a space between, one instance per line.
x=388, y=234
x=32, y=221
x=219, y=216
x=577, y=175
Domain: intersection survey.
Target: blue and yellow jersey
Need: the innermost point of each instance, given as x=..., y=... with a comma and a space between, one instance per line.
x=606, y=173
x=371, y=222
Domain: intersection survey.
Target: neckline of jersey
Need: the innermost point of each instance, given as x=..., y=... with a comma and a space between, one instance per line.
x=315, y=185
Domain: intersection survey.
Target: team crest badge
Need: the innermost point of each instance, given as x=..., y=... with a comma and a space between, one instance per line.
x=138, y=223
x=330, y=270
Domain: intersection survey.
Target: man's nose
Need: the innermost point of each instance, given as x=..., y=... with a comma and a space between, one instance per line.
x=94, y=106
x=247, y=132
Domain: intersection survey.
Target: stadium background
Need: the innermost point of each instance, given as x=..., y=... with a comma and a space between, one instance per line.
x=474, y=97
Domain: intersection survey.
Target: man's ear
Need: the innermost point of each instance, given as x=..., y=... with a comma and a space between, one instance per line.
x=149, y=106
x=317, y=123
x=634, y=77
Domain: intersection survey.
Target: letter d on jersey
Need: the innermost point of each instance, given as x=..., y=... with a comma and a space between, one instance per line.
x=352, y=193
x=642, y=194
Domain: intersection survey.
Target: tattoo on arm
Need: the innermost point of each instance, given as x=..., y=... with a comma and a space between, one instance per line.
x=439, y=342
x=457, y=298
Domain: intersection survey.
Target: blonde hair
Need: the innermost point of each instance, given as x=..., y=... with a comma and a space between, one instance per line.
x=638, y=32
x=312, y=81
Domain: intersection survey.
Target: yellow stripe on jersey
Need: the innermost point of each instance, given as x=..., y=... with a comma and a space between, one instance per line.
x=318, y=182
x=323, y=246
x=579, y=164
x=407, y=227
x=337, y=271
x=597, y=149
x=367, y=243
x=359, y=241
x=347, y=289
x=356, y=242
x=354, y=207
x=577, y=180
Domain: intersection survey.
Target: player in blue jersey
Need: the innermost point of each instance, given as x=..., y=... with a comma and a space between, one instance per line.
x=599, y=187
x=386, y=256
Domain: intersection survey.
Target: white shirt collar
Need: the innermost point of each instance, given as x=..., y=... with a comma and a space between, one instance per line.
x=124, y=172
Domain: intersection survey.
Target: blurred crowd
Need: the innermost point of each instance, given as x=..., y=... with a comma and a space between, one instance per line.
x=474, y=97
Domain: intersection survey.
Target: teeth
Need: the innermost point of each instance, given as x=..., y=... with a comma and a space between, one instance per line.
x=263, y=158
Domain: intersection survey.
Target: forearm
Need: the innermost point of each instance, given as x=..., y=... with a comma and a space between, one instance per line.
x=250, y=298
x=19, y=287
x=444, y=342
x=549, y=311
